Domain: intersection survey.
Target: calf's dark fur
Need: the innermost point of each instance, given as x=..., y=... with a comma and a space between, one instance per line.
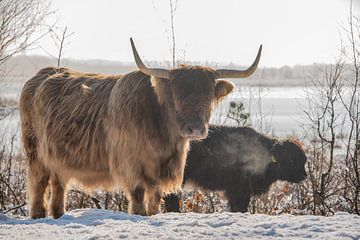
x=241, y=162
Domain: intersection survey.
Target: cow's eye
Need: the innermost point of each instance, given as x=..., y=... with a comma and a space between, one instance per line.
x=182, y=96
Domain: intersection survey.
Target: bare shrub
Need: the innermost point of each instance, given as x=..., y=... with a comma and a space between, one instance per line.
x=350, y=99
x=115, y=201
x=12, y=177
x=202, y=201
x=324, y=117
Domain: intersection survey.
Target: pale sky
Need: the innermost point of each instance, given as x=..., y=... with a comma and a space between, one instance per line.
x=291, y=31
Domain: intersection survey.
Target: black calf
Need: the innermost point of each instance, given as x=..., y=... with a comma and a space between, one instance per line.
x=241, y=162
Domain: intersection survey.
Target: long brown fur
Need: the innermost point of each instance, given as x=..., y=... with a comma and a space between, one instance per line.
x=108, y=131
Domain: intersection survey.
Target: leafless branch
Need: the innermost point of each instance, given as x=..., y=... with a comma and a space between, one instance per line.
x=60, y=38
x=15, y=207
x=21, y=25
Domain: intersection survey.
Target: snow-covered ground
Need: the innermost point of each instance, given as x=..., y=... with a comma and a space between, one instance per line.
x=103, y=224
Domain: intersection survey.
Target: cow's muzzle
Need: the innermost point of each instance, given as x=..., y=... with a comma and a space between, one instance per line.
x=194, y=130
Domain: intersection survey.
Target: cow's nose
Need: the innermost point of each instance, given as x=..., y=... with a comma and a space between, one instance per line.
x=196, y=128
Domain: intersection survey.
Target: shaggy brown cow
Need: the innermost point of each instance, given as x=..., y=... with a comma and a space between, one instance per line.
x=129, y=131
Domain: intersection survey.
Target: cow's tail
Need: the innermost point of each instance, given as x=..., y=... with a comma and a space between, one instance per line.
x=28, y=136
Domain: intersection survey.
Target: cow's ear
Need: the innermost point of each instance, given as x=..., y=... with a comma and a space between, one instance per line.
x=223, y=88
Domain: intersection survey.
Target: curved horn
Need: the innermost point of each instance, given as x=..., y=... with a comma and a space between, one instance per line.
x=228, y=73
x=156, y=72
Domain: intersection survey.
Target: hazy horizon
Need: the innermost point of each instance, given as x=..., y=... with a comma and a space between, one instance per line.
x=163, y=62
x=299, y=32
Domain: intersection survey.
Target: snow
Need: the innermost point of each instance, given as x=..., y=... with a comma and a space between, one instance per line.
x=104, y=224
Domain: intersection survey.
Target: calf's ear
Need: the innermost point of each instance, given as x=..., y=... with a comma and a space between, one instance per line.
x=223, y=88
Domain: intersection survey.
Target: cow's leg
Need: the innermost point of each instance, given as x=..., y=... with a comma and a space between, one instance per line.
x=136, y=201
x=57, y=205
x=153, y=197
x=37, y=181
x=172, y=202
x=238, y=201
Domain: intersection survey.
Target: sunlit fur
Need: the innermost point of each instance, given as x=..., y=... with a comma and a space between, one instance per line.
x=104, y=131
x=242, y=163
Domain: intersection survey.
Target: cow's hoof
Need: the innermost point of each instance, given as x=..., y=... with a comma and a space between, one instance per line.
x=57, y=213
x=38, y=214
x=139, y=211
x=153, y=211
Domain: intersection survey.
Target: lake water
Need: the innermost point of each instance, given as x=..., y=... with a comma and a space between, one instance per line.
x=278, y=109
